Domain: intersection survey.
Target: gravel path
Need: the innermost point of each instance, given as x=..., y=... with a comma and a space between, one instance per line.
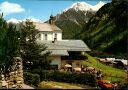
x=27, y=87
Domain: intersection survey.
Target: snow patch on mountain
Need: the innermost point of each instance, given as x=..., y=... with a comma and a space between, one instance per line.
x=83, y=6
x=98, y=6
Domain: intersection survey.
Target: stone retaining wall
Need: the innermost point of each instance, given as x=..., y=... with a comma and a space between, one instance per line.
x=15, y=78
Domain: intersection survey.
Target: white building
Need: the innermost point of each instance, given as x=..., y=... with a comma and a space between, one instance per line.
x=48, y=32
x=62, y=51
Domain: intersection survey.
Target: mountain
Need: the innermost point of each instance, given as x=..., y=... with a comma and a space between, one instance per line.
x=72, y=19
x=83, y=6
x=98, y=6
x=107, y=30
x=13, y=20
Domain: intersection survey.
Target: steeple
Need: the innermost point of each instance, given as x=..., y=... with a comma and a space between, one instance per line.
x=51, y=20
x=51, y=17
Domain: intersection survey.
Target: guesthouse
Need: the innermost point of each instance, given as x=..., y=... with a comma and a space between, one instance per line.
x=63, y=52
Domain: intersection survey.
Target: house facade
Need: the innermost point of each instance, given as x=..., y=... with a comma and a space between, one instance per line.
x=48, y=32
x=63, y=52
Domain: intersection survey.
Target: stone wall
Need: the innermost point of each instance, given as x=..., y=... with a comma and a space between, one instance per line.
x=15, y=78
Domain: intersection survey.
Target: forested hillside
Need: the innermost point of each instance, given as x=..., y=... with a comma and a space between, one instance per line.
x=107, y=31
x=72, y=22
x=73, y=19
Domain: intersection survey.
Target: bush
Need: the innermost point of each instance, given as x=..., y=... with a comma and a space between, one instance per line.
x=31, y=79
x=125, y=86
x=79, y=78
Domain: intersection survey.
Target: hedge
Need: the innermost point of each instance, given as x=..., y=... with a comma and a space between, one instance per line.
x=31, y=79
x=35, y=77
x=79, y=78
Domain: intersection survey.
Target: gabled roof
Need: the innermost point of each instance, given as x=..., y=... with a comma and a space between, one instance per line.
x=64, y=46
x=46, y=27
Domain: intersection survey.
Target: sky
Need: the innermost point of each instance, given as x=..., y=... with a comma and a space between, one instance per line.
x=37, y=9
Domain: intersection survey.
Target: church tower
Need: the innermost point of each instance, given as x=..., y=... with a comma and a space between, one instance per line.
x=51, y=20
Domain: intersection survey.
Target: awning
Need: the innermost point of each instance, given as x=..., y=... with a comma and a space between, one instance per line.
x=77, y=69
x=68, y=65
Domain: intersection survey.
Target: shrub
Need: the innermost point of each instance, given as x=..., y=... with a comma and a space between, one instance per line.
x=79, y=78
x=125, y=86
x=31, y=79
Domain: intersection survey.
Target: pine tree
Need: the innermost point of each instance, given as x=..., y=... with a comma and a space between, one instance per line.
x=9, y=45
x=31, y=51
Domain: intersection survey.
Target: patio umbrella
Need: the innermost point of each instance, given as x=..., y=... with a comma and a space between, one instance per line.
x=68, y=65
x=90, y=68
x=77, y=69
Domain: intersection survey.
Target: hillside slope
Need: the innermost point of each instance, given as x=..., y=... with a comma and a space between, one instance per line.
x=107, y=31
x=107, y=70
x=72, y=22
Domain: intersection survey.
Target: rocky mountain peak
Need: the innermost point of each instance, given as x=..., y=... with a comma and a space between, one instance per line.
x=83, y=6
x=98, y=6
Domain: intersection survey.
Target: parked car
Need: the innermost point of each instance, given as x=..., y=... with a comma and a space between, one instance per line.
x=119, y=64
x=105, y=84
x=126, y=68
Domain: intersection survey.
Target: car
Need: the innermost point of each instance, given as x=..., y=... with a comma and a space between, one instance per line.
x=105, y=84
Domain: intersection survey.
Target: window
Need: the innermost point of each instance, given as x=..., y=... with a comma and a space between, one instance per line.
x=45, y=37
x=56, y=36
x=39, y=36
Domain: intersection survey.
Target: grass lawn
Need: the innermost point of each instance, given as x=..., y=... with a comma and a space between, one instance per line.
x=106, y=69
x=61, y=85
